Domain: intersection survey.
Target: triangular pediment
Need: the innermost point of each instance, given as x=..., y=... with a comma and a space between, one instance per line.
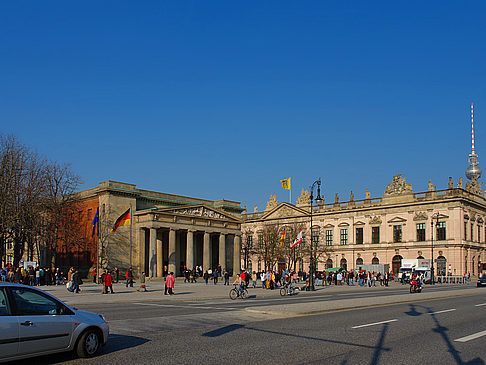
x=284, y=210
x=359, y=223
x=202, y=211
x=397, y=220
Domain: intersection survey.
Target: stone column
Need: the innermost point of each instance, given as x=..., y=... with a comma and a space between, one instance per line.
x=159, y=257
x=153, y=252
x=206, y=252
x=172, y=251
x=190, y=250
x=222, y=250
x=141, y=250
x=237, y=255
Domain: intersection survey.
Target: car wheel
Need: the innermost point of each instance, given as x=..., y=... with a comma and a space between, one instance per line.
x=89, y=344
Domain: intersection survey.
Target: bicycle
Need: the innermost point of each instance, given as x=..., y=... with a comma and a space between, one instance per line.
x=236, y=292
x=287, y=290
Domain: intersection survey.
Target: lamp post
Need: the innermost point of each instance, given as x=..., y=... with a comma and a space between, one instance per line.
x=318, y=202
x=432, y=245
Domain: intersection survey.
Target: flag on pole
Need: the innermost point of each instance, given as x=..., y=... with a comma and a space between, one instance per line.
x=282, y=239
x=298, y=240
x=95, y=221
x=286, y=183
x=123, y=220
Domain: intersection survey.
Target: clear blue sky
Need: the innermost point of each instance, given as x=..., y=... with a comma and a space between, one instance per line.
x=222, y=99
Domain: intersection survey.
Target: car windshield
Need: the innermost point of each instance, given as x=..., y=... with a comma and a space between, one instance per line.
x=483, y=277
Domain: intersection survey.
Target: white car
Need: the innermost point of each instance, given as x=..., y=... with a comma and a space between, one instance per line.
x=35, y=323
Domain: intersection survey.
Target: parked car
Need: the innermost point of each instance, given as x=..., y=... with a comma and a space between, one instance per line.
x=34, y=323
x=482, y=280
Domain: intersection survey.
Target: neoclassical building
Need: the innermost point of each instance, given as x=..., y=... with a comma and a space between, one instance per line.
x=167, y=231
x=398, y=225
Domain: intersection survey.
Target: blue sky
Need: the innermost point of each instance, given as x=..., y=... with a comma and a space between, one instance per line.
x=222, y=99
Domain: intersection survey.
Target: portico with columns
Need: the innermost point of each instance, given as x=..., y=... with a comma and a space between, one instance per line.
x=169, y=239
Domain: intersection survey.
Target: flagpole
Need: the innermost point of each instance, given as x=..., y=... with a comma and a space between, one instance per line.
x=98, y=245
x=131, y=218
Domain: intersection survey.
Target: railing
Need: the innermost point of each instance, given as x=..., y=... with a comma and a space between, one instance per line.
x=451, y=279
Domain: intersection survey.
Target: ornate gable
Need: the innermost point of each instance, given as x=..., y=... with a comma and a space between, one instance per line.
x=284, y=210
x=398, y=186
x=375, y=220
x=420, y=216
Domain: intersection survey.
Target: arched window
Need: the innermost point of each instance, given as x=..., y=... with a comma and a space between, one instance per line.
x=359, y=261
x=396, y=263
x=375, y=261
x=344, y=263
x=328, y=263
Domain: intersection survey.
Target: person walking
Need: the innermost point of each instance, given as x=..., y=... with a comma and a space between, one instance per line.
x=129, y=277
x=76, y=281
x=215, y=276
x=206, y=277
x=254, y=278
x=107, y=282
x=142, y=282
x=226, y=277
x=169, y=284
x=117, y=274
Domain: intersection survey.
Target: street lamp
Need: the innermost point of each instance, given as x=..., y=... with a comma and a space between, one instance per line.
x=437, y=225
x=318, y=202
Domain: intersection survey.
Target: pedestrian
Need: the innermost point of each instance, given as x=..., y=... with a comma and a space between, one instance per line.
x=117, y=274
x=94, y=275
x=215, y=276
x=206, y=277
x=76, y=281
x=226, y=277
x=254, y=279
x=169, y=283
x=129, y=277
x=107, y=282
x=142, y=282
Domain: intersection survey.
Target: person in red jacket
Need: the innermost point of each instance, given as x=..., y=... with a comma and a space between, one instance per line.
x=107, y=282
x=169, y=283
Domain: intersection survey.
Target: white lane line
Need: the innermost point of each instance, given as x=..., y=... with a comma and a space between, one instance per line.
x=374, y=324
x=444, y=311
x=471, y=337
x=182, y=306
x=480, y=305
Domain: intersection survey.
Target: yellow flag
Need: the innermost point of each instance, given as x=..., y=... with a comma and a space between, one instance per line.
x=286, y=183
x=282, y=239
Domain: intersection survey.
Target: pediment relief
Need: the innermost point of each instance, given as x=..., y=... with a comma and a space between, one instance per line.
x=272, y=203
x=397, y=220
x=398, y=186
x=420, y=216
x=200, y=211
x=359, y=223
x=284, y=210
x=375, y=220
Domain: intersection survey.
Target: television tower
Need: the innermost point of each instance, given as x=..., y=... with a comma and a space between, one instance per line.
x=473, y=172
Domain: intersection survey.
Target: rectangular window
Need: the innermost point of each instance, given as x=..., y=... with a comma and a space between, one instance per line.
x=375, y=234
x=359, y=235
x=303, y=238
x=249, y=242
x=420, y=232
x=9, y=245
x=259, y=265
x=315, y=238
x=344, y=236
x=465, y=231
x=479, y=234
x=260, y=240
x=329, y=237
x=441, y=231
x=472, y=232
x=397, y=234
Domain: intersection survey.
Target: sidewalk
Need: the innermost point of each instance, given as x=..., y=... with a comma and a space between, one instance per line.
x=91, y=294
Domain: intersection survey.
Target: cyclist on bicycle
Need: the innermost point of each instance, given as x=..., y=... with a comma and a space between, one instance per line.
x=239, y=282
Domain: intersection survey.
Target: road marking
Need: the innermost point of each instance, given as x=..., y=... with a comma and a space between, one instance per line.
x=182, y=306
x=480, y=305
x=444, y=311
x=374, y=324
x=471, y=337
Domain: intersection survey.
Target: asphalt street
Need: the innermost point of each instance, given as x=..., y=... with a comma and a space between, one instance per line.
x=441, y=331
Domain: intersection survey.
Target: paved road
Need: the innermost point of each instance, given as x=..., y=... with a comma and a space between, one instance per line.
x=220, y=332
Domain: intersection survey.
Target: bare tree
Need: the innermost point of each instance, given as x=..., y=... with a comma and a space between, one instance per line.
x=268, y=248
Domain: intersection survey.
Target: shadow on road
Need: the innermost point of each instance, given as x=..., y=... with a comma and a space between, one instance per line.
x=115, y=343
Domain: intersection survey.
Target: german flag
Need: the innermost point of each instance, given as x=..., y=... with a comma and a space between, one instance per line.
x=123, y=220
